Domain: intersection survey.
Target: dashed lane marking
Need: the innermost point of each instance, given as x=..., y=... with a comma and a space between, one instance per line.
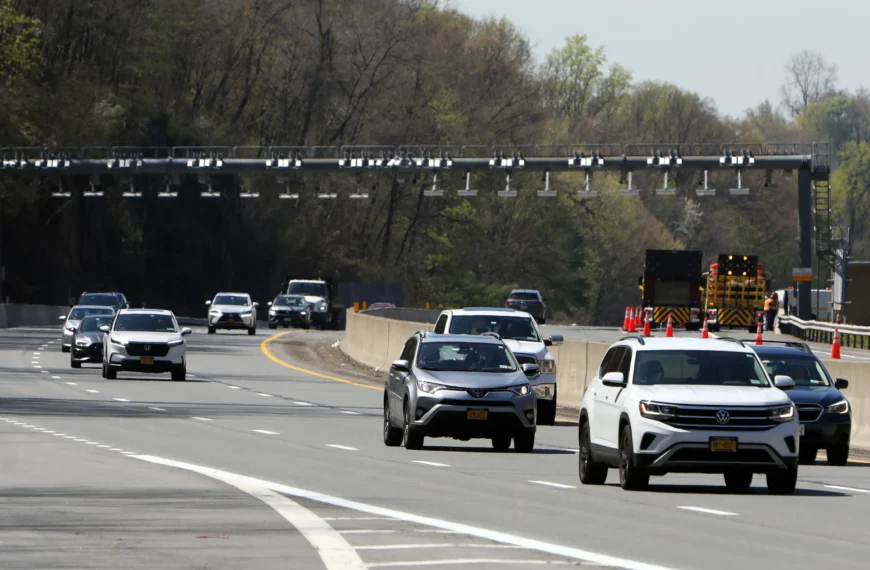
x=344, y=447
x=234, y=387
x=432, y=463
x=200, y=419
x=464, y=562
x=71, y=383
x=55, y=377
x=93, y=391
x=852, y=489
x=120, y=400
x=156, y=409
x=350, y=413
x=303, y=404
x=264, y=395
x=709, y=511
x=557, y=485
x=265, y=432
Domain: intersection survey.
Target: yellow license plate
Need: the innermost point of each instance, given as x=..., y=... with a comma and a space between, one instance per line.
x=478, y=414
x=146, y=360
x=720, y=444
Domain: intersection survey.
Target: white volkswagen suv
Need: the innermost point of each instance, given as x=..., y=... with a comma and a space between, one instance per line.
x=674, y=405
x=145, y=340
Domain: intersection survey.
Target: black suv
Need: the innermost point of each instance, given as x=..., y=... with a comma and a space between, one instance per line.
x=528, y=301
x=824, y=413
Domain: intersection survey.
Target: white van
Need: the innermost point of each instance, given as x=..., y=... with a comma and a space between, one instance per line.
x=820, y=301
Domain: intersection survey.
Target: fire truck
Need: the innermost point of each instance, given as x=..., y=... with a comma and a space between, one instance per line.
x=671, y=286
x=735, y=292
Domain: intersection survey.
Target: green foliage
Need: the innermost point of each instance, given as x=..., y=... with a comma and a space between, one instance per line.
x=19, y=43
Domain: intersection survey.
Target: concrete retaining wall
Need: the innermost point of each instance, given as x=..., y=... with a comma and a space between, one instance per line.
x=15, y=315
x=377, y=341
x=858, y=394
x=403, y=314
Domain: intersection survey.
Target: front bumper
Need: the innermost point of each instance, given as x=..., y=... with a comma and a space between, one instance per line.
x=292, y=318
x=89, y=353
x=231, y=321
x=135, y=365
x=829, y=431
x=445, y=414
x=118, y=357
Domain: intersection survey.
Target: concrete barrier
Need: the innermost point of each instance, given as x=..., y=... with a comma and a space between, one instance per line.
x=377, y=341
x=858, y=394
x=404, y=314
x=17, y=315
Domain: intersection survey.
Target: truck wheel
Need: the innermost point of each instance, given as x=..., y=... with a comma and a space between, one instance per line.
x=782, y=481
x=547, y=412
x=211, y=330
x=273, y=326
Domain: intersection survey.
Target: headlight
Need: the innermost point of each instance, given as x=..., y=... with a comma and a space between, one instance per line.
x=521, y=390
x=547, y=366
x=655, y=411
x=841, y=407
x=248, y=311
x=214, y=312
x=272, y=311
x=176, y=342
x=323, y=307
x=782, y=414
x=69, y=328
x=86, y=341
x=118, y=341
x=429, y=387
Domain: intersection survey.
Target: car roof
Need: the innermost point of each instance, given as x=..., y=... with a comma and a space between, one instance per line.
x=679, y=343
x=144, y=312
x=232, y=293
x=290, y=295
x=307, y=281
x=524, y=291
x=428, y=337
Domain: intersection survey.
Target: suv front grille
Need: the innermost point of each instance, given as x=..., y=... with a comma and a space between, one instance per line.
x=704, y=417
x=809, y=412
x=153, y=349
x=706, y=456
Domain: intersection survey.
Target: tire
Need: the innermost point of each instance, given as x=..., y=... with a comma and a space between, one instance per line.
x=179, y=373
x=631, y=477
x=524, y=442
x=392, y=435
x=273, y=326
x=252, y=331
x=807, y=455
x=838, y=455
x=410, y=439
x=211, y=330
x=782, y=482
x=547, y=412
x=738, y=481
x=501, y=442
x=104, y=369
x=591, y=473
x=64, y=348
x=111, y=373
x=74, y=363
x=542, y=321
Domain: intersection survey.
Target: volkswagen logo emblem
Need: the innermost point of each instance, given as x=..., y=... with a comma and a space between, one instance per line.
x=723, y=417
x=477, y=393
x=147, y=348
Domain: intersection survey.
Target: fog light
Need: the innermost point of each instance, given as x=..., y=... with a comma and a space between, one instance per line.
x=420, y=412
x=789, y=442
x=530, y=415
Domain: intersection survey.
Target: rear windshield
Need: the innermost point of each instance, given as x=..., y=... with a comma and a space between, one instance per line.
x=524, y=296
x=80, y=313
x=516, y=328
x=465, y=357
x=805, y=371
x=289, y=302
x=699, y=368
x=98, y=299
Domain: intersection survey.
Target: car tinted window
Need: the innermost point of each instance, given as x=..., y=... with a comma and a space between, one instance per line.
x=624, y=365
x=510, y=327
x=524, y=296
x=805, y=371
x=465, y=357
x=80, y=313
x=240, y=300
x=145, y=322
x=408, y=351
x=611, y=361
x=441, y=324
x=699, y=367
x=93, y=323
x=98, y=299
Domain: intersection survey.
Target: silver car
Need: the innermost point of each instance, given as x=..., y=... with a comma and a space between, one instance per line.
x=74, y=319
x=459, y=386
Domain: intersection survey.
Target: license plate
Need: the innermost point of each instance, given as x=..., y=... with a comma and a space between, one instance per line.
x=723, y=444
x=803, y=429
x=146, y=360
x=478, y=414
x=231, y=320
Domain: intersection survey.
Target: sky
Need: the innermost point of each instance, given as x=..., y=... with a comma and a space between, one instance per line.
x=734, y=52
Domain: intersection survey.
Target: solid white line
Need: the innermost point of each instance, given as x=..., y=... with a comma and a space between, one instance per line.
x=70, y=383
x=200, y=419
x=266, y=432
x=120, y=400
x=156, y=409
x=709, y=511
x=346, y=448
x=356, y=519
x=558, y=485
x=348, y=412
x=93, y=391
x=432, y=463
x=846, y=488
x=462, y=561
x=429, y=545
x=367, y=531
x=303, y=404
x=264, y=395
x=486, y=534
x=234, y=387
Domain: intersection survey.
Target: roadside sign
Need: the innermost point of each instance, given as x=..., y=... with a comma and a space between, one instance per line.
x=802, y=274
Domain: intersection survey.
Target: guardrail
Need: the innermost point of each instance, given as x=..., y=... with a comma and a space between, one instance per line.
x=817, y=331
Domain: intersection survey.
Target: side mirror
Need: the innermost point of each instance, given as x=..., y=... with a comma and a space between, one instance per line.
x=841, y=384
x=208, y=303
x=783, y=382
x=61, y=318
x=185, y=331
x=256, y=304
x=614, y=379
x=269, y=304
x=531, y=369
x=556, y=340
x=105, y=329
x=401, y=365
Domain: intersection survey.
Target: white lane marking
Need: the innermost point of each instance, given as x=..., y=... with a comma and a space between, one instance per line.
x=709, y=511
x=357, y=519
x=129, y=452
x=463, y=562
x=303, y=404
x=853, y=489
x=93, y=391
x=333, y=549
x=432, y=463
x=26, y=425
x=367, y=531
x=55, y=377
x=348, y=412
x=265, y=432
x=115, y=449
x=200, y=419
x=69, y=436
x=264, y=395
x=234, y=387
x=156, y=409
x=45, y=371
x=37, y=366
x=549, y=484
x=72, y=383
x=104, y=445
x=429, y=545
x=51, y=432
x=120, y=400
x=35, y=354
x=78, y=439
x=344, y=447
x=478, y=532
x=38, y=429
x=93, y=443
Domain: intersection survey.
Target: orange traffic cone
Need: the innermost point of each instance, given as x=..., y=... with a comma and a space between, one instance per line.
x=704, y=332
x=625, y=320
x=835, y=346
x=646, y=325
x=634, y=320
x=669, y=332
x=638, y=317
x=758, y=341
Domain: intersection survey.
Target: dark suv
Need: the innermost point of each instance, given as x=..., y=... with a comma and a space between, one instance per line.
x=528, y=301
x=824, y=413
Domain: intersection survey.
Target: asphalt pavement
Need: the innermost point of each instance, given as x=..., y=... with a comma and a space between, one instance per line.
x=278, y=460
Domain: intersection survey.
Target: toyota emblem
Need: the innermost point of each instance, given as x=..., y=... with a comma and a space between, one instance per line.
x=477, y=393
x=723, y=417
x=147, y=348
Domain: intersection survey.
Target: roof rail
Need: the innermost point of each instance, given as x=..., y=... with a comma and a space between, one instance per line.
x=731, y=339
x=802, y=346
x=636, y=337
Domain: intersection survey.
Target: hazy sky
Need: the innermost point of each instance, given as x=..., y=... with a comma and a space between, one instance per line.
x=732, y=51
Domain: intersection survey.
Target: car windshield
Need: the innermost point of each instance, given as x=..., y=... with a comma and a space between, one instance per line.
x=79, y=313
x=465, y=357
x=289, y=302
x=516, y=328
x=93, y=323
x=310, y=289
x=240, y=300
x=146, y=322
x=525, y=296
x=698, y=368
x=805, y=370
x=98, y=299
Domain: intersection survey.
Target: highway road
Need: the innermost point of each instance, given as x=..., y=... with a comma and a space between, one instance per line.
x=265, y=458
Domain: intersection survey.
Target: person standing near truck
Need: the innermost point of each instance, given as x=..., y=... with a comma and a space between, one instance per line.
x=771, y=306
